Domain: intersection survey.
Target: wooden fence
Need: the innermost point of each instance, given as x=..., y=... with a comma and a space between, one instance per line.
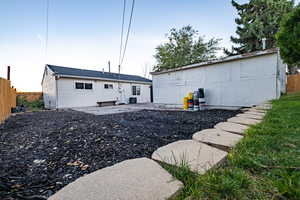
x=7, y=98
x=30, y=96
x=293, y=83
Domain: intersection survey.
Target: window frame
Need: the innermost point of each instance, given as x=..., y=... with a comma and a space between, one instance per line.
x=136, y=90
x=108, y=86
x=89, y=88
x=79, y=83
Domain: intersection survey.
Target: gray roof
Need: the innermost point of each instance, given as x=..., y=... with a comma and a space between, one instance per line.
x=67, y=71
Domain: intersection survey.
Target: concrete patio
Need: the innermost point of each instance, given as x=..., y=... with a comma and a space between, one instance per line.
x=107, y=110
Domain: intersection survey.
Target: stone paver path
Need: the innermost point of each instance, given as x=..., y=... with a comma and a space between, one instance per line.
x=134, y=179
x=218, y=138
x=251, y=116
x=232, y=127
x=255, y=113
x=257, y=110
x=198, y=156
x=263, y=107
x=244, y=121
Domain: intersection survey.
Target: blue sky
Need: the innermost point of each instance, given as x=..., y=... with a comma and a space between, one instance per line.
x=86, y=33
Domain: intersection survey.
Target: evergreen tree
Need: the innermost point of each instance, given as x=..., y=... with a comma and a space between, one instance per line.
x=258, y=19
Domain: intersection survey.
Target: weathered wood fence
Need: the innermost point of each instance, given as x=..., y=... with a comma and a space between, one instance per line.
x=30, y=96
x=7, y=98
x=293, y=83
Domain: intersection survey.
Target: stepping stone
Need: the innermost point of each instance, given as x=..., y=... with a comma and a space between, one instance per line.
x=134, y=179
x=198, y=156
x=250, y=116
x=254, y=113
x=263, y=107
x=218, y=138
x=232, y=127
x=253, y=109
x=245, y=109
x=244, y=121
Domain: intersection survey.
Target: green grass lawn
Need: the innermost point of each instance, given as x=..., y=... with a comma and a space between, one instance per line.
x=264, y=165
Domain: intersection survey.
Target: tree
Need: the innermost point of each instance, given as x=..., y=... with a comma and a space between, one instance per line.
x=184, y=47
x=258, y=19
x=288, y=38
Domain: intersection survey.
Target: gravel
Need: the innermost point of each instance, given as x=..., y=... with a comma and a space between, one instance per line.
x=41, y=152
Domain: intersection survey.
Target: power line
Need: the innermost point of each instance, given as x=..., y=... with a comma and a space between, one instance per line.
x=47, y=28
x=128, y=30
x=122, y=32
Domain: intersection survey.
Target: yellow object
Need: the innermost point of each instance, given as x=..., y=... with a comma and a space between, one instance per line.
x=185, y=103
x=190, y=95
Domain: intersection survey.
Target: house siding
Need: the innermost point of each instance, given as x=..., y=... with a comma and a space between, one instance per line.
x=69, y=96
x=49, y=89
x=243, y=82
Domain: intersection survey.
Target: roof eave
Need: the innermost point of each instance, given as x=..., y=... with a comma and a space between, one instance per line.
x=102, y=79
x=222, y=60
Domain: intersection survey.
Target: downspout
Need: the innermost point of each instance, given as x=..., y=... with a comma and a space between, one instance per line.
x=56, y=91
x=277, y=74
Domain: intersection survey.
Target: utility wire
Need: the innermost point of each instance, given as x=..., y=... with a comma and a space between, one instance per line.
x=122, y=32
x=128, y=30
x=47, y=29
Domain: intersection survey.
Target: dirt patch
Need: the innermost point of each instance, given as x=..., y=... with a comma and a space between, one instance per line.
x=42, y=152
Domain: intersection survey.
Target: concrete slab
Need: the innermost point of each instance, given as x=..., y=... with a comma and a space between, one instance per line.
x=107, y=110
x=245, y=109
x=232, y=127
x=255, y=113
x=134, y=179
x=250, y=116
x=218, y=138
x=253, y=109
x=263, y=107
x=244, y=121
x=198, y=156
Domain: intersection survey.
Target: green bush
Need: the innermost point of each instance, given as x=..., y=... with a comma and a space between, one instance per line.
x=34, y=105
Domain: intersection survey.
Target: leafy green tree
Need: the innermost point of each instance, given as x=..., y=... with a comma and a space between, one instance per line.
x=288, y=38
x=184, y=47
x=258, y=19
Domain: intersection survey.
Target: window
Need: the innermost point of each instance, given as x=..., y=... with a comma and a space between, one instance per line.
x=88, y=86
x=78, y=85
x=81, y=86
x=136, y=90
x=108, y=86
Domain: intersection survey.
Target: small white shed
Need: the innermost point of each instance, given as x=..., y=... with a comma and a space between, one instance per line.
x=65, y=87
x=242, y=80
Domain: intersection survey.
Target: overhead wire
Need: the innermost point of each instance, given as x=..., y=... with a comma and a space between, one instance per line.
x=128, y=31
x=47, y=28
x=122, y=31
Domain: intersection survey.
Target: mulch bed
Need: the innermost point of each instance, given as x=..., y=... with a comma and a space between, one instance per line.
x=43, y=151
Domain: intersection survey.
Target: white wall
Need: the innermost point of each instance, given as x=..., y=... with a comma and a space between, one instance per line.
x=68, y=96
x=243, y=82
x=49, y=89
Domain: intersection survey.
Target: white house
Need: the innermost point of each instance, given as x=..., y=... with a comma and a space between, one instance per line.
x=65, y=87
x=242, y=80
